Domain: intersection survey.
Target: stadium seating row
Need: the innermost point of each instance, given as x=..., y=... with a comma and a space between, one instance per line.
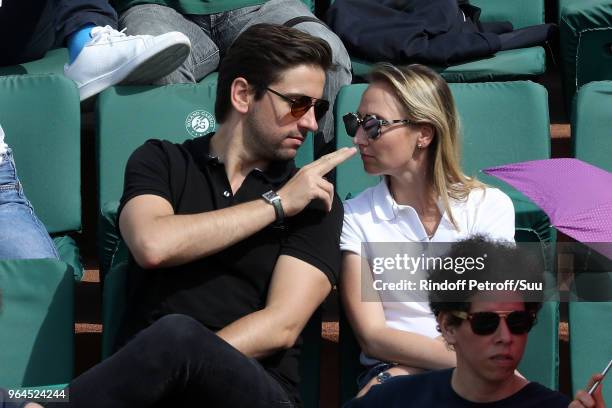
x=505, y=65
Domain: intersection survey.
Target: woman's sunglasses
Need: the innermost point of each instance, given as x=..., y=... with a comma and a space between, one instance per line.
x=301, y=104
x=370, y=124
x=485, y=323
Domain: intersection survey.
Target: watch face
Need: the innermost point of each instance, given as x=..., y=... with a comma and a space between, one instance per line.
x=270, y=195
x=382, y=377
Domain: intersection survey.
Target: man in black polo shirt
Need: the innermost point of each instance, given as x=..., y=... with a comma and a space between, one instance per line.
x=224, y=229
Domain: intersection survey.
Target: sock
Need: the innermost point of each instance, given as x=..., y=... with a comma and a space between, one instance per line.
x=77, y=40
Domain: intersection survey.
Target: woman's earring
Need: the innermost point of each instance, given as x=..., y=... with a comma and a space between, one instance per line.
x=420, y=146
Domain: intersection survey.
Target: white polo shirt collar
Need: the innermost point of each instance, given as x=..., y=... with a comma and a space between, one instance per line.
x=406, y=218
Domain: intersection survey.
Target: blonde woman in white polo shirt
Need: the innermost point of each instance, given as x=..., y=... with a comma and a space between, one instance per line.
x=407, y=131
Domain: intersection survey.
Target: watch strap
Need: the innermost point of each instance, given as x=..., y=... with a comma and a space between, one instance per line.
x=273, y=198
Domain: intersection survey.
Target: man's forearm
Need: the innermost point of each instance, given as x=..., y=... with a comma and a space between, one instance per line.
x=169, y=240
x=257, y=335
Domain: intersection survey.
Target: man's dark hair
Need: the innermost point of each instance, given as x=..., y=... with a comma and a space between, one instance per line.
x=260, y=55
x=504, y=260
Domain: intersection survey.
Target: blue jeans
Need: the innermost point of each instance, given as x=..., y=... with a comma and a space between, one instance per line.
x=211, y=35
x=22, y=235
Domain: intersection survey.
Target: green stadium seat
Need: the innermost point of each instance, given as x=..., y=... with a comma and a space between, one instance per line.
x=590, y=346
x=41, y=118
x=503, y=122
x=521, y=13
x=504, y=65
x=589, y=314
x=36, y=323
x=591, y=124
x=127, y=116
x=586, y=43
x=540, y=362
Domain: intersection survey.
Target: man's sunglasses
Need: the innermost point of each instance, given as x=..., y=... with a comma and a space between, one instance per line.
x=370, y=124
x=300, y=104
x=485, y=323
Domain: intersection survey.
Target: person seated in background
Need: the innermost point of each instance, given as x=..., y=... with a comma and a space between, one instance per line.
x=99, y=55
x=22, y=235
x=407, y=131
x=488, y=332
x=213, y=25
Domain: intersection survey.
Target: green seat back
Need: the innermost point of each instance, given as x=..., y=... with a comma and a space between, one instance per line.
x=36, y=323
x=589, y=322
x=504, y=65
x=586, y=39
x=541, y=359
x=52, y=63
x=590, y=326
x=128, y=116
x=521, y=13
x=69, y=252
x=41, y=118
x=592, y=124
x=540, y=362
x=502, y=123
x=310, y=362
x=505, y=123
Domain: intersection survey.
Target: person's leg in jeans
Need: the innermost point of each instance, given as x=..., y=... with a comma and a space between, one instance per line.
x=154, y=19
x=72, y=15
x=22, y=235
x=211, y=35
x=281, y=12
x=177, y=361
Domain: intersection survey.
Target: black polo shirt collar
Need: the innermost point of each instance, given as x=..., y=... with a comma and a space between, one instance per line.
x=276, y=173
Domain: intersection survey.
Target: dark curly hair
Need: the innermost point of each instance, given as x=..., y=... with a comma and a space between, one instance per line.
x=503, y=260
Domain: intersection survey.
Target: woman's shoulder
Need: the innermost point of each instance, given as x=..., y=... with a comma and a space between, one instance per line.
x=489, y=196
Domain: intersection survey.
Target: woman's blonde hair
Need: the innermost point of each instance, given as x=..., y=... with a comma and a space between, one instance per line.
x=427, y=99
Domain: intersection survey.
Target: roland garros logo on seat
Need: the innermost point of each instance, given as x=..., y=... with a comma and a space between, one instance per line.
x=199, y=122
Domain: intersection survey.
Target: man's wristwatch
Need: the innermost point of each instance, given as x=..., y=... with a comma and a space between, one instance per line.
x=383, y=376
x=272, y=198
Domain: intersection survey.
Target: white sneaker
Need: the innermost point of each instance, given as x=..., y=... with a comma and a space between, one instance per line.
x=111, y=57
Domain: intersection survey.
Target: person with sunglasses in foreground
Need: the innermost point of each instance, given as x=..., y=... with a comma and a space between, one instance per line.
x=407, y=132
x=488, y=332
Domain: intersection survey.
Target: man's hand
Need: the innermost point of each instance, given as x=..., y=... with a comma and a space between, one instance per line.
x=583, y=399
x=309, y=184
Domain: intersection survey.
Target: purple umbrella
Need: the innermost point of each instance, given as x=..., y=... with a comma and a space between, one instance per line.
x=576, y=196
